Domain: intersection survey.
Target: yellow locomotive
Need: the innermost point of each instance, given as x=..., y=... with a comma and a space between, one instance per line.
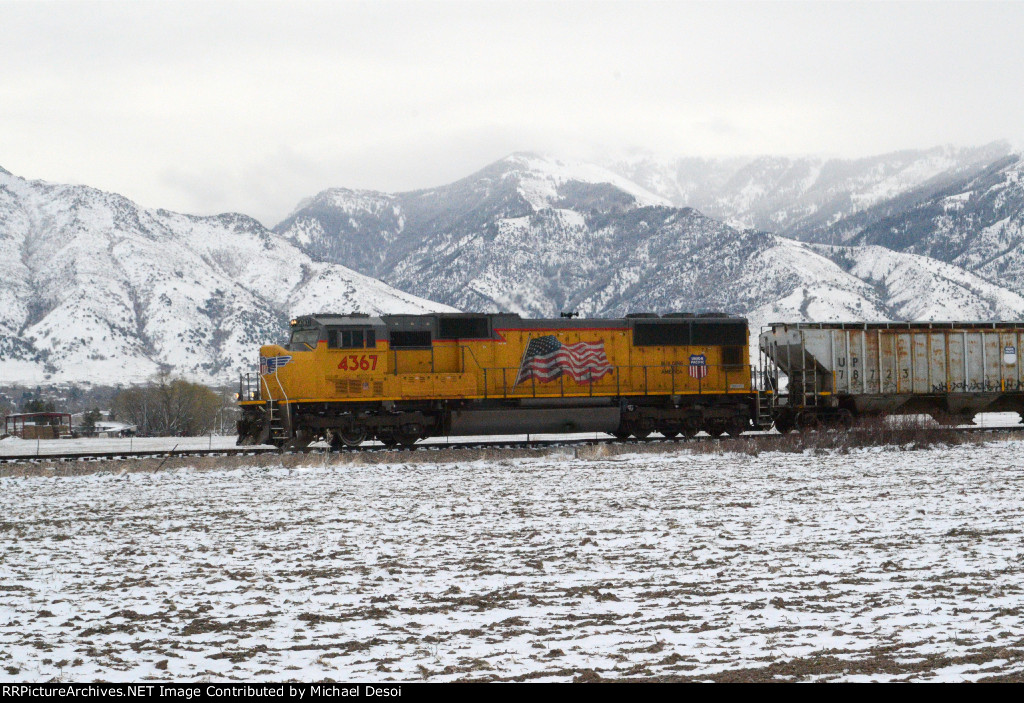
x=351, y=378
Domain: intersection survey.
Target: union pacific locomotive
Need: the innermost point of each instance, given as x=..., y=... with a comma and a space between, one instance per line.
x=351, y=378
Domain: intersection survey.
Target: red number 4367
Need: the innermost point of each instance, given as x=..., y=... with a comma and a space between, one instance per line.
x=355, y=362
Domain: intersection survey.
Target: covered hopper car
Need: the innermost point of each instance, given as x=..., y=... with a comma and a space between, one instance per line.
x=351, y=378
x=839, y=370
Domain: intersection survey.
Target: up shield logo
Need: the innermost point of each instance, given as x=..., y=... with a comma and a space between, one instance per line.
x=698, y=366
x=270, y=364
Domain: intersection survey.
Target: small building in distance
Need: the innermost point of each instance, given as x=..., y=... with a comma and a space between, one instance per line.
x=112, y=428
x=38, y=425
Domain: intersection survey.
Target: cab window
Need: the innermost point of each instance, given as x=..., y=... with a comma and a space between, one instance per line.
x=304, y=339
x=351, y=339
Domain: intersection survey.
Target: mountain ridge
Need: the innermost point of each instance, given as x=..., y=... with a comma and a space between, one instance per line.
x=96, y=288
x=592, y=247
x=794, y=196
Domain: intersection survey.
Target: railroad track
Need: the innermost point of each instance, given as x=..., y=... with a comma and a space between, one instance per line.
x=88, y=456
x=254, y=451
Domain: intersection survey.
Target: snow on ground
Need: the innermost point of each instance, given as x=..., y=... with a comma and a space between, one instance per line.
x=877, y=564
x=11, y=447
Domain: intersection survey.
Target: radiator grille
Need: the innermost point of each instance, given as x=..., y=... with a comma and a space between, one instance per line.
x=355, y=386
x=349, y=387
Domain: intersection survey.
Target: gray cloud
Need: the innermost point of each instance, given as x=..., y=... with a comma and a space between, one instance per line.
x=207, y=107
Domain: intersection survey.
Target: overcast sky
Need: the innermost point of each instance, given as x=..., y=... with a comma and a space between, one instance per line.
x=216, y=106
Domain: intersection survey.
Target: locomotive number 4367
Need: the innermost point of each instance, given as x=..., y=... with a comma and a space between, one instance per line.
x=357, y=362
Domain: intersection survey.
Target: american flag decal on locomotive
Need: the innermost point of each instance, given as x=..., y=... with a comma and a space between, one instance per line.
x=270, y=364
x=698, y=366
x=546, y=359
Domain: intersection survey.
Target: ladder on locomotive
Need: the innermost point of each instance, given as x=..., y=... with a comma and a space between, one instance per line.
x=275, y=422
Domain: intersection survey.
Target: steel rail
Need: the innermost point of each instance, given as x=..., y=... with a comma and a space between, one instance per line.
x=460, y=445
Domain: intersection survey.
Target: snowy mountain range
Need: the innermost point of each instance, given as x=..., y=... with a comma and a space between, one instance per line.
x=539, y=235
x=96, y=288
x=802, y=198
x=976, y=223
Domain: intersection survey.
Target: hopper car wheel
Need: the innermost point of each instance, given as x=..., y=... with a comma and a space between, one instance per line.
x=845, y=420
x=807, y=422
x=641, y=434
x=690, y=432
x=388, y=440
x=622, y=436
x=784, y=424
x=669, y=434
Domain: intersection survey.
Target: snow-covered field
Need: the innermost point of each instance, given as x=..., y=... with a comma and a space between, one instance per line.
x=876, y=564
x=13, y=446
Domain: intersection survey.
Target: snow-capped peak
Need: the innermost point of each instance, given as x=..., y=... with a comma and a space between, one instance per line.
x=540, y=176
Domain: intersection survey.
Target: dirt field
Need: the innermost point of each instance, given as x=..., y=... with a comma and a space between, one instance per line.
x=874, y=564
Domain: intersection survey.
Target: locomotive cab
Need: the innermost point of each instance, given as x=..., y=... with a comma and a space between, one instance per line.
x=326, y=356
x=335, y=332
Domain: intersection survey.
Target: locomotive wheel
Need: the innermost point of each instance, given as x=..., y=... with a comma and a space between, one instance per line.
x=737, y=426
x=407, y=439
x=387, y=439
x=351, y=437
x=716, y=427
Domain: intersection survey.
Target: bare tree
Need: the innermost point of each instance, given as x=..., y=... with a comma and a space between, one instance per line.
x=169, y=406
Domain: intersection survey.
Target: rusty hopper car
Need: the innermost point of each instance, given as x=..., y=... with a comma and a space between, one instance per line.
x=347, y=379
x=836, y=370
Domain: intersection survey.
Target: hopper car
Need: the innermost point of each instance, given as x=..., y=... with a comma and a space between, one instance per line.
x=837, y=371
